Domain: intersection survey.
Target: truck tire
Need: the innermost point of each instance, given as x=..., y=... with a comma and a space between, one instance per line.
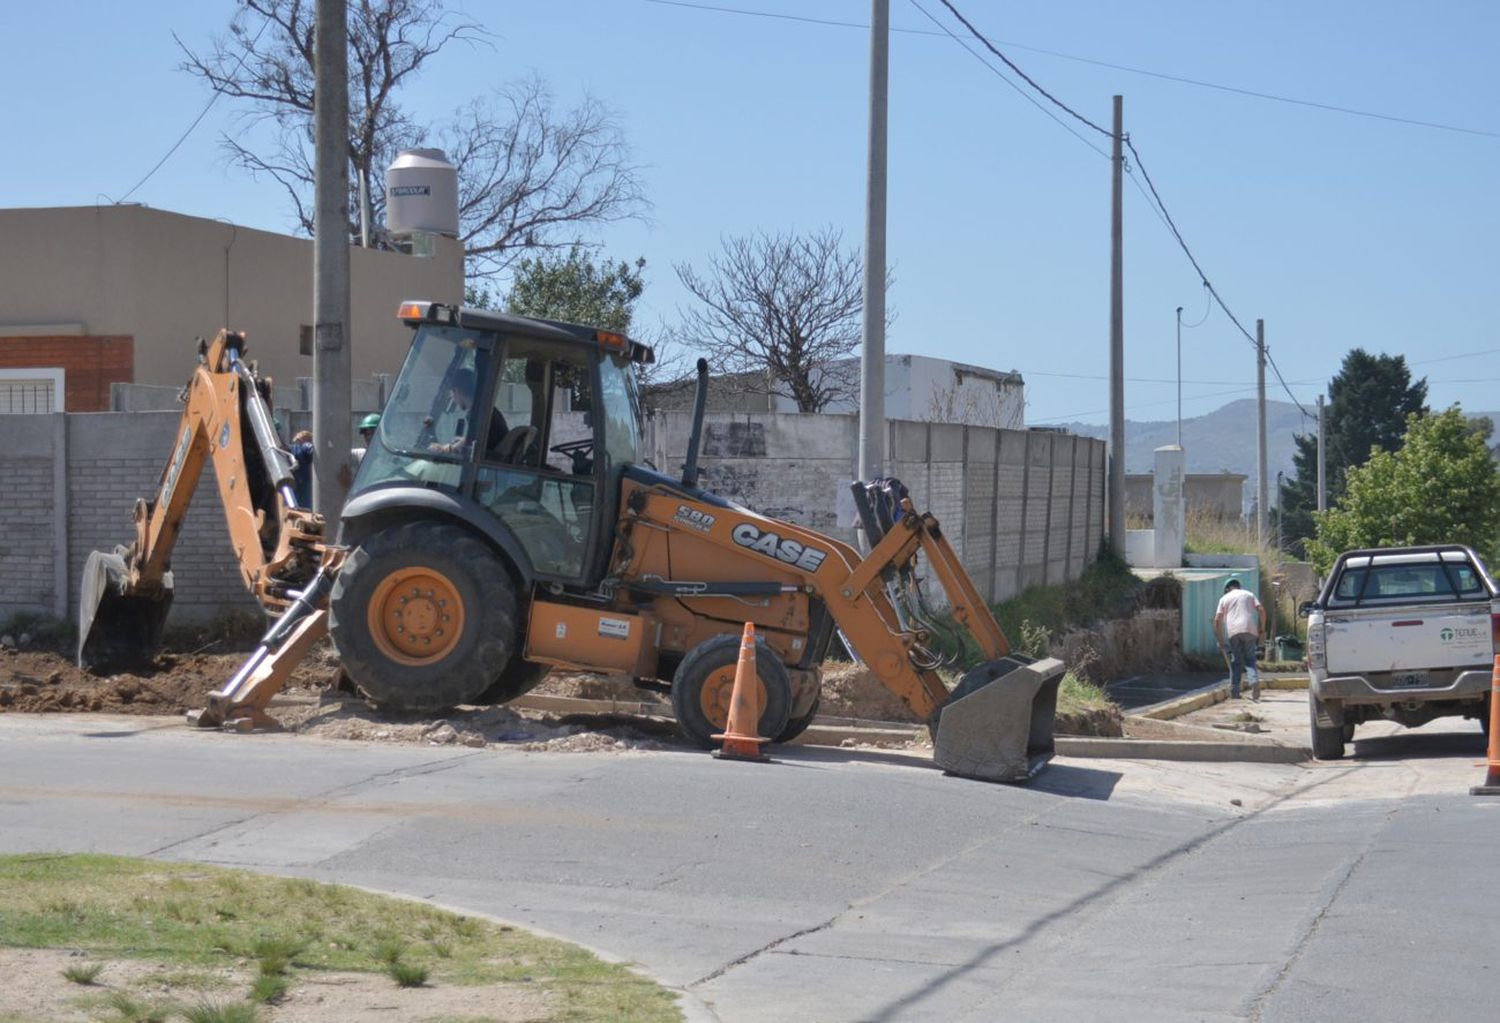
x=704, y=680
x=423, y=616
x=796, y=726
x=1327, y=743
x=519, y=678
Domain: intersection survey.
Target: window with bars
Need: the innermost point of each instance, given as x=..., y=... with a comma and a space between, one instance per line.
x=26, y=396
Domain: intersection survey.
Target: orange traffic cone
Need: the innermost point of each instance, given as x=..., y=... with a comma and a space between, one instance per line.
x=1491, y=786
x=739, y=739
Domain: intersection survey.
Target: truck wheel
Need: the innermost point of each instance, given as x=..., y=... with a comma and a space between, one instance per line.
x=704, y=681
x=423, y=616
x=519, y=678
x=797, y=726
x=1327, y=743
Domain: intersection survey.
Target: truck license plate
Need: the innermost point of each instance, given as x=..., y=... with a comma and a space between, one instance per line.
x=1410, y=679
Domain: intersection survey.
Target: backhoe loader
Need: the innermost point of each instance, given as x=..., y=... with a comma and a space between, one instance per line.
x=504, y=522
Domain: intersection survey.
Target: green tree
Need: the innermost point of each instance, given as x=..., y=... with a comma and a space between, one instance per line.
x=1369, y=401
x=576, y=289
x=1440, y=486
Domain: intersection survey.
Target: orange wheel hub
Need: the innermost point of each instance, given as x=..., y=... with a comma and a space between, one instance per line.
x=718, y=690
x=416, y=615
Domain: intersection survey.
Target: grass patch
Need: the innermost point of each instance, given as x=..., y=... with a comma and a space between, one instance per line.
x=407, y=974
x=129, y=1009
x=84, y=974
x=1076, y=695
x=267, y=989
x=193, y=919
x=210, y=1012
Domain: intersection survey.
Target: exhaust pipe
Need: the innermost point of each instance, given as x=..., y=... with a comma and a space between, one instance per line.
x=700, y=405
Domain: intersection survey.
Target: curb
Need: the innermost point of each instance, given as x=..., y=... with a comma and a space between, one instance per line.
x=1178, y=749
x=837, y=731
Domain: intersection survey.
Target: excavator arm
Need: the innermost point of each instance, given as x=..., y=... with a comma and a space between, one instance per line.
x=279, y=546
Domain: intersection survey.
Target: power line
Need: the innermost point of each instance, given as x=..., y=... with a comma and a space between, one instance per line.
x=999, y=74
x=1180, y=79
x=201, y=115
x=1027, y=78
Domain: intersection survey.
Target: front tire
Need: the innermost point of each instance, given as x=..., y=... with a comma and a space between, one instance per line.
x=704, y=680
x=423, y=616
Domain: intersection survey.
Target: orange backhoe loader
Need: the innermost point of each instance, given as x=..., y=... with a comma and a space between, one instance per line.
x=504, y=522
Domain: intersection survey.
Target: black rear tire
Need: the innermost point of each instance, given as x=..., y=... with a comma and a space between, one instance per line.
x=519, y=678
x=465, y=661
x=705, y=666
x=1327, y=743
x=796, y=726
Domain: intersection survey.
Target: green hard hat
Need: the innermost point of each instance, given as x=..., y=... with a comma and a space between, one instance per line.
x=370, y=421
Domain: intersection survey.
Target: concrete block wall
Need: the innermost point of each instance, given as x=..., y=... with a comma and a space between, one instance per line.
x=115, y=458
x=1021, y=508
x=72, y=482
x=30, y=467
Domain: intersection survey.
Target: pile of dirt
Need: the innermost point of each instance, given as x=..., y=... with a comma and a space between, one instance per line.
x=852, y=691
x=37, y=681
x=337, y=715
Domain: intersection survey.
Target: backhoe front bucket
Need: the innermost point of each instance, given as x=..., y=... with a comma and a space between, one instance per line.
x=997, y=724
x=116, y=628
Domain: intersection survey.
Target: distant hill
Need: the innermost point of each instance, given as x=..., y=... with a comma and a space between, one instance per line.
x=1222, y=440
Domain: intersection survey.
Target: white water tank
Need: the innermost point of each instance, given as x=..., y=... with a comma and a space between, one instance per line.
x=421, y=194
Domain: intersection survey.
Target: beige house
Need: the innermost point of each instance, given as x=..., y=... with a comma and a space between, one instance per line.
x=163, y=279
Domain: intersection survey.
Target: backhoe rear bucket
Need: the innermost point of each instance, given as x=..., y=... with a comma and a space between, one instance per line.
x=116, y=628
x=997, y=724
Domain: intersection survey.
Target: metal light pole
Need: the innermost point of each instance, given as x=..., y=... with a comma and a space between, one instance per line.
x=1179, y=376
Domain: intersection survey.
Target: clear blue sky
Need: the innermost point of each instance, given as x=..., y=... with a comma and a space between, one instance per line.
x=1337, y=230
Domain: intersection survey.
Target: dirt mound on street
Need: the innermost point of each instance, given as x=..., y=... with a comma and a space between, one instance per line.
x=40, y=681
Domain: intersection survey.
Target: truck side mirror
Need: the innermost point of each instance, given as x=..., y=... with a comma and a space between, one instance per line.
x=1305, y=608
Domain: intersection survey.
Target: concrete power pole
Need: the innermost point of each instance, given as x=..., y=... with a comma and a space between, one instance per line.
x=872, y=356
x=1322, y=472
x=1261, y=489
x=1117, y=340
x=331, y=361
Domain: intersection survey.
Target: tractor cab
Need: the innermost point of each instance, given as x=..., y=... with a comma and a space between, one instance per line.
x=523, y=426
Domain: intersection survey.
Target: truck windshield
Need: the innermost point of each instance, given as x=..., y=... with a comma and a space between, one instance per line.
x=428, y=425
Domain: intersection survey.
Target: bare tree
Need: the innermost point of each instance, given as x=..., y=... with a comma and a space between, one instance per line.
x=780, y=310
x=525, y=171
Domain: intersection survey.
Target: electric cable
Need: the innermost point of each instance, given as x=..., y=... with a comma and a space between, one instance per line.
x=197, y=120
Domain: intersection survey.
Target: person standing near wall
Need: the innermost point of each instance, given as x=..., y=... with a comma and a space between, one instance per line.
x=302, y=459
x=1239, y=625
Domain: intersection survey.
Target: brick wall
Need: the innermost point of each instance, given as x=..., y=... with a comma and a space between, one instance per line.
x=89, y=364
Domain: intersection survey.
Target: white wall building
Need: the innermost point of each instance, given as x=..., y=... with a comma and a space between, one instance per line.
x=923, y=389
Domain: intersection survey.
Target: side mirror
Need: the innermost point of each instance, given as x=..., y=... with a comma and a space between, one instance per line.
x=1306, y=608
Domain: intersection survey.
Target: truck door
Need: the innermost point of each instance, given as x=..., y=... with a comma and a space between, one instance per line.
x=535, y=470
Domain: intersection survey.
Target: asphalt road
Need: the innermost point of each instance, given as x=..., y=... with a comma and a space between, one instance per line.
x=838, y=885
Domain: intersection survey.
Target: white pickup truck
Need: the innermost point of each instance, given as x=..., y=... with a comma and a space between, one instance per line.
x=1403, y=633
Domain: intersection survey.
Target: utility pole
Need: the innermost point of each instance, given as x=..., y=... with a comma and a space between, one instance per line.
x=1322, y=477
x=1260, y=433
x=1179, y=376
x=1117, y=340
x=872, y=355
x=331, y=361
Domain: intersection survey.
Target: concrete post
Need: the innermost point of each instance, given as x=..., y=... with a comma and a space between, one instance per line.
x=1169, y=506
